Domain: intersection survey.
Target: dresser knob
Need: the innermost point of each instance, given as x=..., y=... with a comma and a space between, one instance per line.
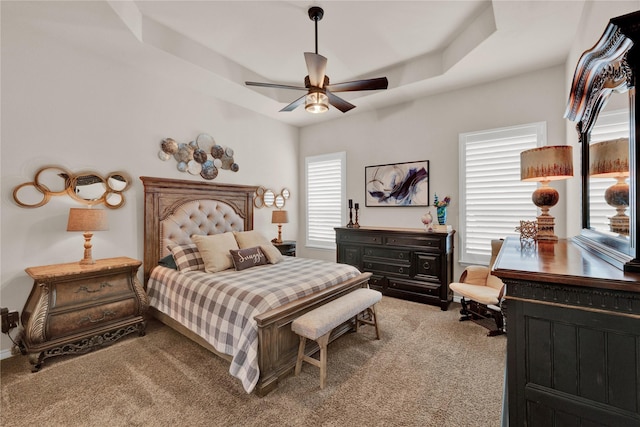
x=401, y=270
x=426, y=266
x=401, y=255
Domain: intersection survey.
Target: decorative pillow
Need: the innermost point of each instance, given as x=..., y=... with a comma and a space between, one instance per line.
x=168, y=262
x=215, y=250
x=250, y=257
x=187, y=257
x=273, y=254
x=253, y=238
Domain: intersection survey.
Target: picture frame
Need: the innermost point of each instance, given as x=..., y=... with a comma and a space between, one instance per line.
x=397, y=184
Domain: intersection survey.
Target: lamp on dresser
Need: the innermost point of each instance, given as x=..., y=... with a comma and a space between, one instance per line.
x=610, y=159
x=546, y=164
x=87, y=220
x=279, y=217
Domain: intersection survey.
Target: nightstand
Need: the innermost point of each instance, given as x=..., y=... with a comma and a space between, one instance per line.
x=287, y=247
x=75, y=308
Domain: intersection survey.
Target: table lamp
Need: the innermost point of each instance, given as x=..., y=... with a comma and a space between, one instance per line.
x=546, y=164
x=610, y=159
x=279, y=217
x=87, y=220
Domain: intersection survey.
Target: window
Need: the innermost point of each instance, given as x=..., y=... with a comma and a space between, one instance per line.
x=610, y=125
x=493, y=199
x=325, y=191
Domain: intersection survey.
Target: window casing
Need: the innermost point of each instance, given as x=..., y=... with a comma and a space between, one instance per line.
x=493, y=199
x=325, y=194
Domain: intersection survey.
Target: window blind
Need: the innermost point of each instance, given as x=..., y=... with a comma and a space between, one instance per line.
x=325, y=192
x=610, y=125
x=493, y=199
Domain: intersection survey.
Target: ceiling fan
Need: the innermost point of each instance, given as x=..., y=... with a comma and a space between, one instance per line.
x=320, y=93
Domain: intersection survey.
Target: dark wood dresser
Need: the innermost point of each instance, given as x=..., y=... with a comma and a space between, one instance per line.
x=406, y=263
x=75, y=308
x=573, y=336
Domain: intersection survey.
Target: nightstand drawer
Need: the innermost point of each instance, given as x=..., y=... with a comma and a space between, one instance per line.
x=84, y=290
x=66, y=323
x=385, y=267
x=391, y=254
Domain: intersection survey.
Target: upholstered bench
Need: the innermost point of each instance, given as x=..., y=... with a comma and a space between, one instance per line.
x=318, y=323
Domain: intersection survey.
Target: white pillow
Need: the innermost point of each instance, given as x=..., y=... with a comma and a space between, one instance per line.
x=214, y=250
x=252, y=238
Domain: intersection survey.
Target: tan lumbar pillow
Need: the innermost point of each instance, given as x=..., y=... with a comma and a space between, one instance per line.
x=214, y=250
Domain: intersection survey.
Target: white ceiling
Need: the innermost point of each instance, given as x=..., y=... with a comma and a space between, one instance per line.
x=423, y=47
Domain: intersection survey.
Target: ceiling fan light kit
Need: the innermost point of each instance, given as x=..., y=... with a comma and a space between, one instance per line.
x=319, y=92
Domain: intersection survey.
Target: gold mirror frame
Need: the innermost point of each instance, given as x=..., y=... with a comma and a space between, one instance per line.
x=87, y=187
x=265, y=197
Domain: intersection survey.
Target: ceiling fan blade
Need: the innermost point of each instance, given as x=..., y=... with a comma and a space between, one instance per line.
x=368, y=84
x=339, y=103
x=295, y=104
x=277, y=86
x=316, y=66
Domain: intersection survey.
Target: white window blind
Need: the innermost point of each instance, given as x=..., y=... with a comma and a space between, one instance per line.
x=493, y=199
x=325, y=188
x=610, y=125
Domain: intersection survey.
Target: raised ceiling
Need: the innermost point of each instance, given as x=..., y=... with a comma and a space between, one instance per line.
x=423, y=47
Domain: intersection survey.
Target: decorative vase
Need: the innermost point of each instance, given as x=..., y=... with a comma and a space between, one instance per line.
x=442, y=215
x=427, y=220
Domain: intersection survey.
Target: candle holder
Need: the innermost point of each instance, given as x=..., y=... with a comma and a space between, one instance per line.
x=350, y=225
x=356, y=225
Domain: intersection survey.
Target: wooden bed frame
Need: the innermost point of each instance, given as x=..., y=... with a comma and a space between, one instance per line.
x=277, y=344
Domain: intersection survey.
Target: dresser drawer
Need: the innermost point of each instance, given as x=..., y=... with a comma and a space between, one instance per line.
x=81, y=291
x=391, y=254
x=430, y=289
x=370, y=239
x=71, y=322
x=428, y=266
x=422, y=241
x=377, y=282
x=385, y=267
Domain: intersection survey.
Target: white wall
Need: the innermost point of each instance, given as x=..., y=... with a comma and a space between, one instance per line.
x=428, y=129
x=63, y=104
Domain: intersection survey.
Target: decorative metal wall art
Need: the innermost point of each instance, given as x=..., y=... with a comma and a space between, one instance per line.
x=87, y=187
x=398, y=184
x=201, y=156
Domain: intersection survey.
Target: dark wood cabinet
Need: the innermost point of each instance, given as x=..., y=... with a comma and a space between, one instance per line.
x=573, y=336
x=406, y=263
x=286, y=247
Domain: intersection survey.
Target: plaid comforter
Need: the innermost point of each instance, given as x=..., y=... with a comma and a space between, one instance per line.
x=220, y=307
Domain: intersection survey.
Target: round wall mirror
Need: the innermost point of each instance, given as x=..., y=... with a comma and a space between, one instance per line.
x=279, y=201
x=268, y=198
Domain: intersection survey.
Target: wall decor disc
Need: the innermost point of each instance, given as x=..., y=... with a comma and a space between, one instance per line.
x=184, y=154
x=205, y=142
x=200, y=156
x=217, y=151
x=193, y=167
x=169, y=146
x=209, y=171
x=163, y=155
x=182, y=166
x=235, y=167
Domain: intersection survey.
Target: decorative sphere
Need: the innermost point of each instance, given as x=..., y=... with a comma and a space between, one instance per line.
x=617, y=195
x=545, y=196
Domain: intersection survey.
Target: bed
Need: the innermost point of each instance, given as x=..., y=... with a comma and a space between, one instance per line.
x=176, y=210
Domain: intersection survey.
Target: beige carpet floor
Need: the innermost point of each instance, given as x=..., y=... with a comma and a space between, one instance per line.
x=428, y=369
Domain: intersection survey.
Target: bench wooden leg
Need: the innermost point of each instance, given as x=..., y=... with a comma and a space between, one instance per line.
x=374, y=320
x=323, y=341
x=303, y=341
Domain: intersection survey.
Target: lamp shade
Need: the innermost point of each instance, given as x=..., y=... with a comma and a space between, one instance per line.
x=548, y=163
x=82, y=219
x=609, y=159
x=279, y=217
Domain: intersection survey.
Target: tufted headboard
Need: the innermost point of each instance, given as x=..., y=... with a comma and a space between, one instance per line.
x=174, y=210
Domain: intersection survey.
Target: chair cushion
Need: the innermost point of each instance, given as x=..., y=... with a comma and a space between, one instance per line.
x=476, y=275
x=483, y=294
x=494, y=282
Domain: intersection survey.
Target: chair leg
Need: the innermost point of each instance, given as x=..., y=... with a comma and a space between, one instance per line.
x=301, y=348
x=465, y=314
x=323, y=341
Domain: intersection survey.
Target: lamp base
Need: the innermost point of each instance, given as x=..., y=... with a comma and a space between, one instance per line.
x=546, y=225
x=88, y=257
x=619, y=224
x=278, y=239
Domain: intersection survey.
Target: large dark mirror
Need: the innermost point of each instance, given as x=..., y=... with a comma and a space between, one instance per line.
x=602, y=102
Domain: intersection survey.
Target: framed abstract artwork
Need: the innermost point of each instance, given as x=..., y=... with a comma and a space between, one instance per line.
x=397, y=184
